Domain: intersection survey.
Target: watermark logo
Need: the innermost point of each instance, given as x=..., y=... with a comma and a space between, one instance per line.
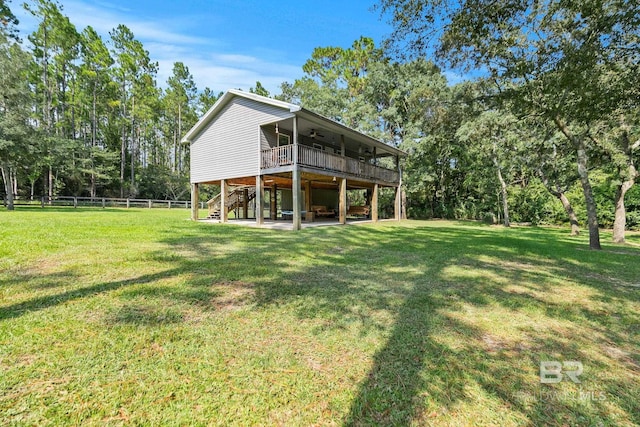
x=552, y=371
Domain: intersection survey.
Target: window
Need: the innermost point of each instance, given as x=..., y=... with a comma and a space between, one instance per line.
x=317, y=146
x=283, y=139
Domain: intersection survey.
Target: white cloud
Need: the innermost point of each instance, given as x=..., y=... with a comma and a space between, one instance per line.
x=208, y=59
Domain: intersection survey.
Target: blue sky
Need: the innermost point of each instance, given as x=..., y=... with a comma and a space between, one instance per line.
x=229, y=43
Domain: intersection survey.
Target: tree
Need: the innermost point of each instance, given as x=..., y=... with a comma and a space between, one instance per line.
x=560, y=60
x=55, y=46
x=555, y=170
x=179, y=100
x=259, y=90
x=15, y=102
x=206, y=99
x=96, y=82
x=491, y=135
x=134, y=73
x=619, y=138
x=8, y=21
x=335, y=81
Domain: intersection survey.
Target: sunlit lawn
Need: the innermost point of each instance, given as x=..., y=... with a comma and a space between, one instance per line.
x=143, y=317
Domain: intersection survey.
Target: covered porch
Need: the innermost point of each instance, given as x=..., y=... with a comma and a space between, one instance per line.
x=270, y=200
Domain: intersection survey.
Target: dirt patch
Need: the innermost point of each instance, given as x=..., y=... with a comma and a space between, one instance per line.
x=233, y=295
x=621, y=355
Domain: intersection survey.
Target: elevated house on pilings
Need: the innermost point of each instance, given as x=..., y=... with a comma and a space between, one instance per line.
x=248, y=143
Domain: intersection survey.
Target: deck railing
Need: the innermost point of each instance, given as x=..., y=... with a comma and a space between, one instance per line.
x=308, y=156
x=277, y=157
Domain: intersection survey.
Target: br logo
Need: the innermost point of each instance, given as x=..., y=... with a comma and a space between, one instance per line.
x=553, y=371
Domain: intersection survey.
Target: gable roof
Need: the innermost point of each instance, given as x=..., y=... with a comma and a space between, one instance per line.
x=292, y=108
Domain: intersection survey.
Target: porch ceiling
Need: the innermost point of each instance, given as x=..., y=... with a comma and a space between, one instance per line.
x=285, y=181
x=329, y=132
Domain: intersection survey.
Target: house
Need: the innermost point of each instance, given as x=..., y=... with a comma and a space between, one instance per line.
x=249, y=144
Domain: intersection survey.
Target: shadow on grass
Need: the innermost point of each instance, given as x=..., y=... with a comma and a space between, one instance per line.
x=48, y=301
x=349, y=273
x=440, y=284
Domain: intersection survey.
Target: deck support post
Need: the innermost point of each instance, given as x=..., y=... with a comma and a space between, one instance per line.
x=195, y=197
x=273, y=202
x=297, y=199
x=224, y=215
x=245, y=203
x=307, y=200
x=259, y=199
x=374, y=203
x=397, y=205
x=342, y=207
x=296, y=189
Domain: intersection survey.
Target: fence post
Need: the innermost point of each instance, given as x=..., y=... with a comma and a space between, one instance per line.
x=169, y=204
x=103, y=203
x=42, y=202
x=127, y=203
x=75, y=202
x=149, y=203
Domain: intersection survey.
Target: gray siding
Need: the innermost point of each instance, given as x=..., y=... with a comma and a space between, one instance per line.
x=229, y=145
x=269, y=138
x=266, y=138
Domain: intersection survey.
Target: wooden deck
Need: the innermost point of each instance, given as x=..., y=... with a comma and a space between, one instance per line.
x=283, y=156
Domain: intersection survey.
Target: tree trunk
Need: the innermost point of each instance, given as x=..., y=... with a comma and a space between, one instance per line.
x=620, y=222
x=123, y=143
x=503, y=190
x=50, y=189
x=573, y=219
x=133, y=141
x=123, y=158
x=178, y=137
x=94, y=137
x=628, y=180
x=583, y=173
x=8, y=187
x=592, y=210
x=566, y=204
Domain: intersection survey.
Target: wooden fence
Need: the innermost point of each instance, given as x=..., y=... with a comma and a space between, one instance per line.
x=105, y=202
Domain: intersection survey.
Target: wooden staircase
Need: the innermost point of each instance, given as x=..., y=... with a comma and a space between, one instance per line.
x=235, y=200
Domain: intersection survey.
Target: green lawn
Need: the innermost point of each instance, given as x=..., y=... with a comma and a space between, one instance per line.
x=111, y=317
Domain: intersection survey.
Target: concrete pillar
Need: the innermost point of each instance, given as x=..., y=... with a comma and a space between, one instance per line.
x=374, y=203
x=342, y=208
x=259, y=199
x=195, y=199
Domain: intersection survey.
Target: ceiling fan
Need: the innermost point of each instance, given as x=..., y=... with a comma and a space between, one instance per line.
x=314, y=133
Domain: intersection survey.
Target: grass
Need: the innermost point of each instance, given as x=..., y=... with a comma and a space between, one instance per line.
x=117, y=317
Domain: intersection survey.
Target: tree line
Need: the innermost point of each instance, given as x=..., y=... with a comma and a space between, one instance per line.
x=548, y=132
x=85, y=116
